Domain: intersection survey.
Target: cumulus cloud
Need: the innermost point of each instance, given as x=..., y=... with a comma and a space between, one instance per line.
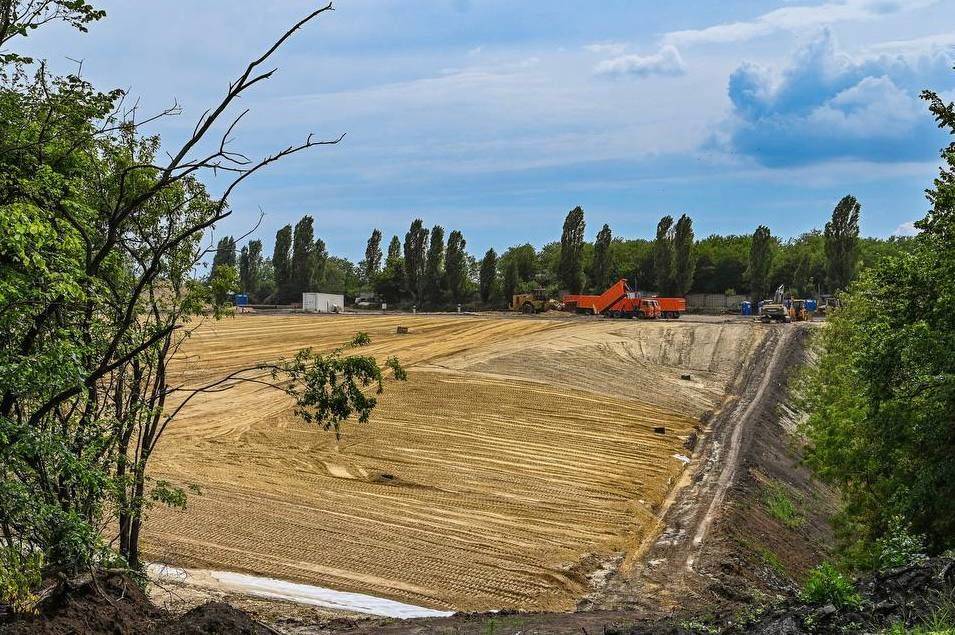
x=827, y=105
x=795, y=18
x=906, y=229
x=667, y=61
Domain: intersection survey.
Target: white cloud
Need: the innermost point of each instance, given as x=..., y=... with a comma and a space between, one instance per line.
x=667, y=61
x=606, y=48
x=906, y=229
x=794, y=19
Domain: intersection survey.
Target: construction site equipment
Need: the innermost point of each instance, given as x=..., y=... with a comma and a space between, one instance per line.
x=773, y=312
x=798, y=311
x=620, y=302
x=534, y=302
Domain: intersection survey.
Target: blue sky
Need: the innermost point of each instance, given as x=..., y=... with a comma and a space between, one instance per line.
x=496, y=117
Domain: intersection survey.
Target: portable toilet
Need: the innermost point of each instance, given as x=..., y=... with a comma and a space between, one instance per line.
x=241, y=299
x=811, y=305
x=746, y=308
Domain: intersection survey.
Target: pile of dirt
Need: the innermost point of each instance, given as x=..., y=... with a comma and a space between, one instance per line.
x=113, y=603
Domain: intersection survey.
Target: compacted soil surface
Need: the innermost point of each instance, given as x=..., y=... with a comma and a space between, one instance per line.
x=519, y=462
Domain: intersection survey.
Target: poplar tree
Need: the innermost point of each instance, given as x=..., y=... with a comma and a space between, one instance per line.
x=456, y=266
x=434, y=269
x=600, y=269
x=842, y=243
x=303, y=247
x=373, y=255
x=570, y=265
x=416, y=241
x=663, y=255
x=250, y=264
x=760, y=263
x=488, y=274
x=282, y=263
x=684, y=258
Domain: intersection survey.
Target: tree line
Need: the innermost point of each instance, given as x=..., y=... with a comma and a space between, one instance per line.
x=427, y=270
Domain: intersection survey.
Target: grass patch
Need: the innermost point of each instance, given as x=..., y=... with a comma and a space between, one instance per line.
x=770, y=558
x=780, y=506
x=827, y=585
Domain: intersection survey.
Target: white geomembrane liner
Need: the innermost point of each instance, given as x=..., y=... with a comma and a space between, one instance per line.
x=293, y=592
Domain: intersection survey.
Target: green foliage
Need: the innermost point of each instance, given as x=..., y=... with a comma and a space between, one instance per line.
x=760, y=262
x=781, y=506
x=416, y=260
x=881, y=397
x=330, y=388
x=600, y=268
x=826, y=585
x=434, y=268
x=372, y=262
x=282, y=264
x=684, y=258
x=570, y=266
x=303, y=263
x=721, y=263
x=20, y=576
x=457, y=271
x=898, y=546
x=663, y=254
x=842, y=243
x=488, y=275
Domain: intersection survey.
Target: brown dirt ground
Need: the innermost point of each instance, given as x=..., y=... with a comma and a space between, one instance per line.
x=518, y=458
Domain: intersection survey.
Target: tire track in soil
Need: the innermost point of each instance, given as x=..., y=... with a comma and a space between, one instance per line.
x=661, y=576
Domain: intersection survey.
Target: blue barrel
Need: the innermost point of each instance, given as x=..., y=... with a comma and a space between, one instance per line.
x=241, y=299
x=811, y=305
x=746, y=308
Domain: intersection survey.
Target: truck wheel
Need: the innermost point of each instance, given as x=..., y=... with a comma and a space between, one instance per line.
x=528, y=308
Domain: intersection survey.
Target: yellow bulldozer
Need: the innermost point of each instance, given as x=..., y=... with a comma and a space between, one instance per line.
x=533, y=302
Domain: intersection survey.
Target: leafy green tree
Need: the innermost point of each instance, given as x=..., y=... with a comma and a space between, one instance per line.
x=760, y=263
x=282, y=264
x=97, y=293
x=372, y=262
x=303, y=257
x=318, y=266
x=389, y=284
x=394, y=248
x=488, y=275
x=842, y=243
x=416, y=258
x=881, y=395
x=18, y=18
x=684, y=257
x=600, y=269
x=663, y=255
x=225, y=254
x=570, y=266
x=510, y=280
x=456, y=267
x=434, y=268
x=250, y=264
x=721, y=264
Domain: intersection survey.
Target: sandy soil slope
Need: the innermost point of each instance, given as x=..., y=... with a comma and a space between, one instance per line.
x=519, y=455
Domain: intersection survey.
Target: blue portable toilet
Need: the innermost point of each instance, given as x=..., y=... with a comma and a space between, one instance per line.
x=241, y=299
x=746, y=308
x=811, y=304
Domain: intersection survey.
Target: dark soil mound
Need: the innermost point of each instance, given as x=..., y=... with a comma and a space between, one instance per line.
x=213, y=617
x=112, y=603
x=115, y=604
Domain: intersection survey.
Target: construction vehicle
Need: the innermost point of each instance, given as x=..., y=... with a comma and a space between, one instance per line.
x=775, y=311
x=827, y=304
x=798, y=312
x=619, y=301
x=533, y=302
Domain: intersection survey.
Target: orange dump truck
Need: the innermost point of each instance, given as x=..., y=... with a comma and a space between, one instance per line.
x=620, y=302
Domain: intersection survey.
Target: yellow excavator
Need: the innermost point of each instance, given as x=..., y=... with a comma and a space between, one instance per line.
x=533, y=302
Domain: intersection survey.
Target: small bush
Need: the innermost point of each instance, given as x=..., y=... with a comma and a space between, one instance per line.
x=780, y=506
x=826, y=585
x=899, y=546
x=20, y=577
